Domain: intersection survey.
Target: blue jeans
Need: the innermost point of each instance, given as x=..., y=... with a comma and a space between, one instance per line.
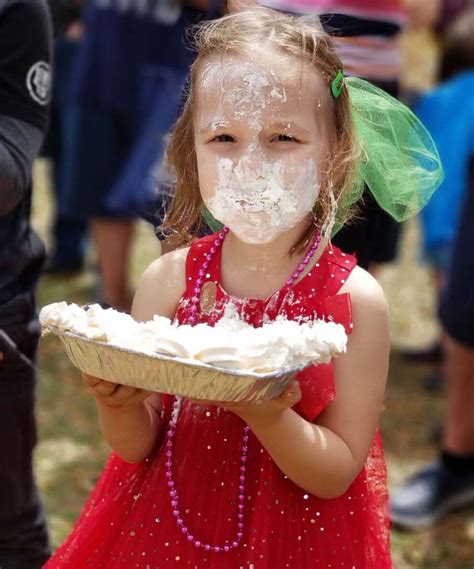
x=69, y=229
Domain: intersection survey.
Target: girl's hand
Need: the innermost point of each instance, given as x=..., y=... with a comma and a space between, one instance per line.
x=260, y=412
x=112, y=395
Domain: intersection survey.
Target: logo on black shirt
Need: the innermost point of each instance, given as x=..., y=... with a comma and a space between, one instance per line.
x=38, y=81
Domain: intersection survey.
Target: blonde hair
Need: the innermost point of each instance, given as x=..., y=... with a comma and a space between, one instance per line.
x=237, y=34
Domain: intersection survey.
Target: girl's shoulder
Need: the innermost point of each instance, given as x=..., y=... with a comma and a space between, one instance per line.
x=161, y=286
x=367, y=295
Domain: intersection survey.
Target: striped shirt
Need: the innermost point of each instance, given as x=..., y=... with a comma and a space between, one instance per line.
x=365, y=32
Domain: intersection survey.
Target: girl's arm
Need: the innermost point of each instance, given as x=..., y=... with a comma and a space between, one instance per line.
x=130, y=418
x=325, y=458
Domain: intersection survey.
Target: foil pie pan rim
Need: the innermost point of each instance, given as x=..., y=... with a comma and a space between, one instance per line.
x=187, y=362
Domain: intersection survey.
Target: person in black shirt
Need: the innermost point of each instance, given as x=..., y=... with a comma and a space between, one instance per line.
x=25, y=84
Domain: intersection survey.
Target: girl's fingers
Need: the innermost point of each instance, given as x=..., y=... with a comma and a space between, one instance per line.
x=90, y=380
x=127, y=394
x=292, y=394
x=122, y=393
x=113, y=394
x=204, y=402
x=97, y=386
x=104, y=389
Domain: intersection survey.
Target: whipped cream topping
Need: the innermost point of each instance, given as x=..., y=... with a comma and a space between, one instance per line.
x=231, y=343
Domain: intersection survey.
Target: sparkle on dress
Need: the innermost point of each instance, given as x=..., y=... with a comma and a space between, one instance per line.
x=128, y=520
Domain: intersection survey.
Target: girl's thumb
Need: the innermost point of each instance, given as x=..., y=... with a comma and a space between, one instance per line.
x=293, y=391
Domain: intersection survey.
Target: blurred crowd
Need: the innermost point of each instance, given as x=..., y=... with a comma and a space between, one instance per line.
x=120, y=69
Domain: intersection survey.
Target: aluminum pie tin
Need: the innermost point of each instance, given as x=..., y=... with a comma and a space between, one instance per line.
x=172, y=375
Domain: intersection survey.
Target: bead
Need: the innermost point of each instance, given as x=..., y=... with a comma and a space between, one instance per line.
x=192, y=319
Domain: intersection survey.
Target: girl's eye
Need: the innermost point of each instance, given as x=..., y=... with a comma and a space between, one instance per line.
x=285, y=138
x=223, y=138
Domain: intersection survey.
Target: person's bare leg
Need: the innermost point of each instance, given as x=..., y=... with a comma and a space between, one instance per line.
x=459, y=422
x=113, y=241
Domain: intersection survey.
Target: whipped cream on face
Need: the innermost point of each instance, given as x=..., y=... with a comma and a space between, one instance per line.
x=246, y=89
x=257, y=195
x=261, y=199
x=231, y=343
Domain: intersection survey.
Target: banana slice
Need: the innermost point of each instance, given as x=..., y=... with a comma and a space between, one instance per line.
x=169, y=347
x=225, y=356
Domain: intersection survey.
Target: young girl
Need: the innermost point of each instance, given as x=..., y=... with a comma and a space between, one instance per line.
x=267, y=145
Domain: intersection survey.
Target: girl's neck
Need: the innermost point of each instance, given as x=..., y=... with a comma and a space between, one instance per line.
x=263, y=257
x=258, y=271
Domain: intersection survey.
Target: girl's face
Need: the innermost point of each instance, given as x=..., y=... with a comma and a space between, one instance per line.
x=261, y=142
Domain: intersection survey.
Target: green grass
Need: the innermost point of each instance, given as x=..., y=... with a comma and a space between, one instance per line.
x=70, y=453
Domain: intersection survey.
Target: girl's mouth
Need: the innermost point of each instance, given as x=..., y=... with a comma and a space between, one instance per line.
x=250, y=207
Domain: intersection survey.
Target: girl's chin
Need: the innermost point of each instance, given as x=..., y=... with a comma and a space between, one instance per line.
x=251, y=239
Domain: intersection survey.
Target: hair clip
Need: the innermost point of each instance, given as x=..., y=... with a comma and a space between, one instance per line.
x=337, y=84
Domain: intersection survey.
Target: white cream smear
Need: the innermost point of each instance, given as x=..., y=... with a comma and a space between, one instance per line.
x=245, y=89
x=260, y=203
x=231, y=344
x=257, y=197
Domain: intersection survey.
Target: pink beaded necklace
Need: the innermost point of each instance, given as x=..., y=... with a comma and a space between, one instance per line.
x=171, y=430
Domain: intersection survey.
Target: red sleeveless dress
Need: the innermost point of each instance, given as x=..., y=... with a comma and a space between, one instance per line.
x=128, y=521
